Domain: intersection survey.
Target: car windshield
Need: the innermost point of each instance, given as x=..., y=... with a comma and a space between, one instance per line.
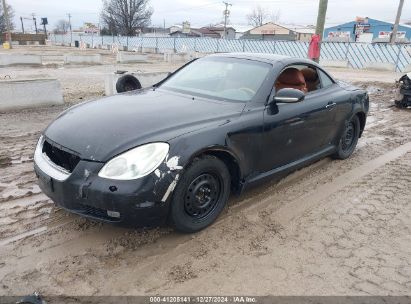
x=222, y=78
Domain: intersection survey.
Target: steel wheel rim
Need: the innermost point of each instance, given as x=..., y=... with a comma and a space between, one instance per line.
x=202, y=195
x=348, y=137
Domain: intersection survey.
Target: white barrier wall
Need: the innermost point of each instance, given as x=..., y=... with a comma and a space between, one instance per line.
x=83, y=59
x=20, y=59
x=146, y=80
x=334, y=63
x=123, y=57
x=380, y=66
x=18, y=94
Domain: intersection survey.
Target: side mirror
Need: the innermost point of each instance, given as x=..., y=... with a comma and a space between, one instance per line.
x=288, y=96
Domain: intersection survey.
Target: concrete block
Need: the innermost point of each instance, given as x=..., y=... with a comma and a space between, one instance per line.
x=146, y=80
x=83, y=59
x=407, y=68
x=380, y=66
x=148, y=50
x=177, y=58
x=334, y=63
x=18, y=94
x=20, y=59
x=130, y=57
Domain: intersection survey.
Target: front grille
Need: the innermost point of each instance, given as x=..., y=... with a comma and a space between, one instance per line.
x=61, y=158
x=98, y=213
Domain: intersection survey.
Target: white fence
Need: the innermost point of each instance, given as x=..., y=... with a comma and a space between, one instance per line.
x=358, y=55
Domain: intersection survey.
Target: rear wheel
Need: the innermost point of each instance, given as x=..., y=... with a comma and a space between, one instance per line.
x=349, y=139
x=201, y=195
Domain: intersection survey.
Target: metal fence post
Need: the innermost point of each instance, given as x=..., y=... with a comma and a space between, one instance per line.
x=195, y=44
x=397, y=61
x=347, y=52
x=127, y=41
x=218, y=45
x=243, y=46
x=174, y=45
x=274, y=47
x=156, y=44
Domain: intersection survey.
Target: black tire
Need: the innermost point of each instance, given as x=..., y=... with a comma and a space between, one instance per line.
x=349, y=139
x=201, y=195
x=127, y=83
x=401, y=104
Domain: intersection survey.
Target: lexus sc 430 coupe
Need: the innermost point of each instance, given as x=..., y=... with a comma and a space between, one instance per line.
x=172, y=153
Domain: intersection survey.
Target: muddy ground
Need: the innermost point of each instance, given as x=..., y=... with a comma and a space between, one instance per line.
x=333, y=228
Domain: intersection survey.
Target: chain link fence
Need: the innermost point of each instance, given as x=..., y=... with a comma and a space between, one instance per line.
x=353, y=54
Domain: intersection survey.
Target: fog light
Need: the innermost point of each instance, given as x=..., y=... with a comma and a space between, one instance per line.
x=113, y=214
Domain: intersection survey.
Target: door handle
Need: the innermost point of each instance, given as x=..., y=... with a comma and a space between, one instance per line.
x=330, y=105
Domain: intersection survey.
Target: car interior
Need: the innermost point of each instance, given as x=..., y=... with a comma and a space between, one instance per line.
x=301, y=77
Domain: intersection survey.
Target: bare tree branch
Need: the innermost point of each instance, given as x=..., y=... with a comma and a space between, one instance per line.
x=62, y=26
x=126, y=16
x=3, y=23
x=258, y=16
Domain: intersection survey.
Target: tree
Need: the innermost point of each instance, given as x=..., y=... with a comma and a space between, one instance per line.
x=126, y=16
x=275, y=16
x=258, y=16
x=62, y=27
x=3, y=23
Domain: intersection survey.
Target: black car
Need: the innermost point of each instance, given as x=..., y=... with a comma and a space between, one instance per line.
x=174, y=152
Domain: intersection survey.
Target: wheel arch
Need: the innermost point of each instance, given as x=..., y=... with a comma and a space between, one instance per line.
x=362, y=118
x=230, y=160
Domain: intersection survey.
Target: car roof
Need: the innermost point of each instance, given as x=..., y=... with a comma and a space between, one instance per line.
x=267, y=57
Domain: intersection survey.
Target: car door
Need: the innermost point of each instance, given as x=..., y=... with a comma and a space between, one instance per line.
x=295, y=131
x=318, y=113
x=339, y=104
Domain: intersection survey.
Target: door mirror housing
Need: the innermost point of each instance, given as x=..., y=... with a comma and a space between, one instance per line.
x=288, y=95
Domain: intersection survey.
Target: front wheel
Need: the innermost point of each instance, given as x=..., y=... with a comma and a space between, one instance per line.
x=349, y=139
x=200, y=195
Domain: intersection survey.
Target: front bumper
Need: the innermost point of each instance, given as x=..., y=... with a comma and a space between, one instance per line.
x=138, y=203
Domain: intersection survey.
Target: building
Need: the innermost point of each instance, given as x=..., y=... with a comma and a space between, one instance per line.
x=219, y=29
x=209, y=32
x=303, y=33
x=273, y=31
x=367, y=30
x=240, y=29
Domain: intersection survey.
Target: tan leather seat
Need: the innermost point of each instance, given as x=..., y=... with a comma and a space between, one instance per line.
x=311, y=79
x=291, y=78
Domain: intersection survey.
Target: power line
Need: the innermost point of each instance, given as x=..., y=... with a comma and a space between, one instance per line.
x=35, y=21
x=71, y=30
x=226, y=15
x=397, y=22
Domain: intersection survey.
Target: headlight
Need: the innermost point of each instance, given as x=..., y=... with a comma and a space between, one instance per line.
x=135, y=163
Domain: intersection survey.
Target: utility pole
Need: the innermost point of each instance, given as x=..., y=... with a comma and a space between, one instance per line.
x=22, y=24
x=226, y=15
x=322, y=12
x=71, y=31
x=397, y=22
x=6, y=15
x=35, y=22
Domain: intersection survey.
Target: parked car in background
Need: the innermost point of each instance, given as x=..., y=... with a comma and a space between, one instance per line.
x=174, y=152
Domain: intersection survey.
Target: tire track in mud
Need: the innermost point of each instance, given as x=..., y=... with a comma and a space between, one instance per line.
x=254, y=213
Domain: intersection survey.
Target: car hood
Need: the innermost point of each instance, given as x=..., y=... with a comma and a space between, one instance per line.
x=101, y=129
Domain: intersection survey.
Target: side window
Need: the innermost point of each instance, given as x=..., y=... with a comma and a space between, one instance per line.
x=325, y=80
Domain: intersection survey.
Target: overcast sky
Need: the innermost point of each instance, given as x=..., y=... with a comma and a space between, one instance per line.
x=204, y=12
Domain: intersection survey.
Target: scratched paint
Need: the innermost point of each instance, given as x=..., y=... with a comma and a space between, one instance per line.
x=170, y=189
